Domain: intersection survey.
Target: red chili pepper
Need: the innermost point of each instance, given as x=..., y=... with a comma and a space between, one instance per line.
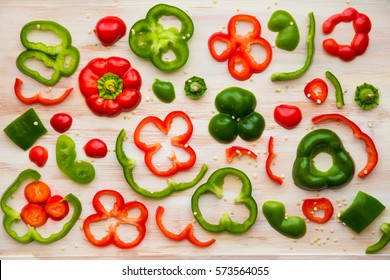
x=361, y=25
x=186, y=233
x=38, y=98
x=235, y=151
x=316, y=91
x=311, y=206
x=176, y=141
x=119, y=212
x=372, y=153
x=238, y=50
x=268, y=163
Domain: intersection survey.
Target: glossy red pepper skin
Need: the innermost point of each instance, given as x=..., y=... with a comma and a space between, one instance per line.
x=287, y=116
x=96, y=148
x=237, y=151
x=311, y=205
x=317, y=91
x=238, y=50
x=268, y=163
x=61, y=122
x=109, y=30
x=38, y=155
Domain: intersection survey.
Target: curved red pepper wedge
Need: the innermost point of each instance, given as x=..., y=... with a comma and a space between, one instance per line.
x=120, y=213
x=238, y=48
x=177, y=141
x=271, y=155
x=312, y=205
x=237, y=151
x=186, y=233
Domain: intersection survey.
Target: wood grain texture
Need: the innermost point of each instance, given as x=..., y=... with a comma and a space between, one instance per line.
x=332, y=240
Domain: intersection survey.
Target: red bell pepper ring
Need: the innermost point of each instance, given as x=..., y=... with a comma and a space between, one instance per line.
x=186, y=233
x=311, y=206
x=316, y=90
x=37, y=97
x=120, y=212
x=238, y=51
x=372, y=153
x=176, y=141
x=237, y=151
x=270, y=157
x=361, y=25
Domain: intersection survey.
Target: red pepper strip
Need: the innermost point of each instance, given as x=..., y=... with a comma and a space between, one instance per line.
x=311, y=205
x=235, y=151
x=37, y=98
x=270, y=157
x=177, y=141
x=372, y=153
x=120, y=212
x=186, y=233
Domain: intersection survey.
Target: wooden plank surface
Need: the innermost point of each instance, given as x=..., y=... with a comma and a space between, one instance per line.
x=331, y=240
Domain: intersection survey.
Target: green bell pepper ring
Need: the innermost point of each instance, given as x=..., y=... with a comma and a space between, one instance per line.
x=383, y=241
x=164, y=91
x=149, y=39
x=291, y=226
x=288, y=32
x=128, y=165
x=79, y=171
x=195, y=87
x=305, y=173
x=12, y=216
x=367, y=96
x=214, y=185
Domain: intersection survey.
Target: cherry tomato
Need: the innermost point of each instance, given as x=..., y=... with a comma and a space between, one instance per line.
x=95, y=148
x=56, y=207
x=38, y=155
x=287, y=116
x=37, y=192
x=109, y=30
x=316, y=90
x=33, y=215
x=61, y=122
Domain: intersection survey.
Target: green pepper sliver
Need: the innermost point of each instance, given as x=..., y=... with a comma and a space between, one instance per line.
x=128, y=165
x=383, y=241
x=195, y=87
x=12, y=216
x=214, y=185
x=339, y=91
x=367, y=96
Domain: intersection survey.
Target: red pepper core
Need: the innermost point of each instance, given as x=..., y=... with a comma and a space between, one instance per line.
x=237, y=151
x=271, y=155
x=312, y=205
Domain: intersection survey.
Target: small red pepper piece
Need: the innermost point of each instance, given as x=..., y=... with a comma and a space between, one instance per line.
x=235, y=151
x=38, y=98
x=372, y=153
x=119, y=212
x=271, y=155
x=312, y=205
x=316, y=91
x=186, y=233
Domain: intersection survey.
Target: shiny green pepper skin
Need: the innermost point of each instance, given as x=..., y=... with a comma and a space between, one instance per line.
x=164, y=91
x=288, y=33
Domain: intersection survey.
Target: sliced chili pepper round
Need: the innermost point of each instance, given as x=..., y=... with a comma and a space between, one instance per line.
x=317, y=91
x=311, y=207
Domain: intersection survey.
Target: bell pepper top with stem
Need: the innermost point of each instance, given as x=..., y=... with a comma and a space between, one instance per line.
x=149, y=39
x=383, y=241
x=367, y=96
x=164, y=91
x=195, y=87
x=12, y=216
x=288, y=32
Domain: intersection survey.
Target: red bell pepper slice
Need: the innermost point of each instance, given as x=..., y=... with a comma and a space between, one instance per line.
x=372, y=153
x=238, y=50
x=37, y=97
x=176, y=141
x=186, y=233
x=237, y=151
x=120, y=213
x=316, y=90
x=270, y=157
x=319, y=204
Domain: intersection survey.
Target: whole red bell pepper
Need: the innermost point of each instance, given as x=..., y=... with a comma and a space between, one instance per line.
x=110, y=86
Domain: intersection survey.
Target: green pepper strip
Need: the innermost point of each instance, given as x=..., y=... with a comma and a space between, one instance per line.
x=12, y=216
x=309, y=59
x=214, y=185
x=339, y=91
x=383, y=241
x=128, y=165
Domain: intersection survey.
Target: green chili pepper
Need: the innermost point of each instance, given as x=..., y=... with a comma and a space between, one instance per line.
x=291, y=226
x=12, y=216
x=362, y=212
x=305, y=173
x=288, y=33
x=164, y=91
x=367, y=96
x=149, y=39
x=128, y=165
x=383, y=241
x=79, y=171
x=195, y=87
x=26, y=129
x=309, y=58
x=339, y=91
x=214, y=185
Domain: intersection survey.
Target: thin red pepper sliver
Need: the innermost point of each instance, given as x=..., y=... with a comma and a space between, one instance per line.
x=235, y=151
x=372, y=153
x=268, y=163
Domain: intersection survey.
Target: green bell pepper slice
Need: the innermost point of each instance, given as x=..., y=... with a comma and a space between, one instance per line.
x=288, y=32
x=12, y=216
x=214, y=185
x=307, y=176
x=383, y=241
x=128, y=165
x=149, y=39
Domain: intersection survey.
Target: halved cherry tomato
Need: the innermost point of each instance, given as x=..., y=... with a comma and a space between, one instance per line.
x=317, y=90
x=61, y=122
x=109, y=30
x=37, y=192
x=38, y=155
x=95, y=148
x=287, y=116
x=311, y=206
x=56, y=207
x=33, y=215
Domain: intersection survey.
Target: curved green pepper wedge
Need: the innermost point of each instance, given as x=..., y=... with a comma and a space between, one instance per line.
x=291, y=226
x=164, y=91
x=79, y=171
x=12, y=216
x=128, y=165
x=383, y=241
x=149, y=39
x=288, y=32
x=214, y=185
x=305, y=173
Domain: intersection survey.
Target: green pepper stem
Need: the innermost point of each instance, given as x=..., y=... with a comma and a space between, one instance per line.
x=110, y=86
